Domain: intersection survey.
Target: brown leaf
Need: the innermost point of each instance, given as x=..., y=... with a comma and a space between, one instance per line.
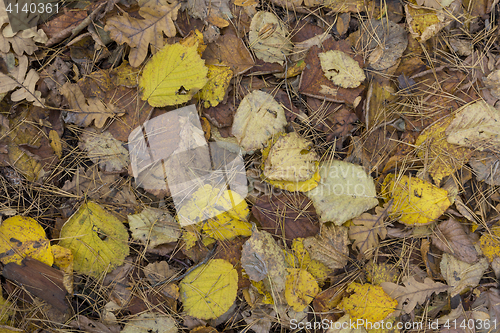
x=314, y=83
x=287, y=215
x=138, y=34
x=231, y=251
x=60, y=26
x=329, y=247
x=92, y=326
x=367, y=230
x=450, y=237
x=229, y=50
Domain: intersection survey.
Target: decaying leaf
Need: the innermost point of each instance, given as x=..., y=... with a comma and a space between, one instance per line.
x=22, y=237
x=268, y=38
x=344, y=192
x=150, y=322
x=317, y=269
x=97, y=239
x=215, y=90
x=367, y=229
x=424, y=23
x=459, y=274
x=490, y=243
x=257, y=119
x=450, y=237
x=486, y=167
x=139, y=33
x=209, y=290
x=154, y=226
x=105, y=150
x=173, y=75
x=263, y=259
x=415, y=201
x=341, y=69
x=378, y=273
x=413, y=292
x=301, y=288
x=476, y=126
x=216, y=12
x=329, y=247
x=85, y=110
x=229, y=50
x=368, y=302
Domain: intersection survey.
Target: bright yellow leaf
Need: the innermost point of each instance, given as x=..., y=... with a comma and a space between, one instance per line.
x=97, y=239
x=424, y=23
x=300, y=289
x=490, y=243
x=415, y=201
x=367, y=302
x=195, y=38
x=214, y=91
x=209, y=290
x=317, y=269
x=22, y=236
x=261, y=289
x=63, y=258
x=55, y=143
x=173, y=75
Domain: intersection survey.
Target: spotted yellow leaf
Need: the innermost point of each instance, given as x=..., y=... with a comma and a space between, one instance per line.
x=415, y=201
x=214, y=91
x=490, y=243
x=317, y=269
x=22, y=236
x=300, y=288
x=209, y=290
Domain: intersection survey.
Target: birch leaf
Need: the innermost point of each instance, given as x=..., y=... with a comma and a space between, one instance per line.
x=301, y=288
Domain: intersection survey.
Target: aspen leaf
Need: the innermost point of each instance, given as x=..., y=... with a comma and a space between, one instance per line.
x=21, y=237
x=214, y=91
x=150, y=322
x=341, y=69
x=415, y=201
x=97, y=239
x=344, y=192
x=173, y=75
x=459, y=274
x=269, y=38
x=139, y=33
x=257, y=119
x=413, y=292
x=368, y=302
x=154, y=226
x=209, y=290
x=300, y=288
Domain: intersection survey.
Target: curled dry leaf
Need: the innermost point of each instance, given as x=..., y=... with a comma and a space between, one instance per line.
x=105, y=150
x=450, y=237
x=459, y=274
x=139, y=33
x=268, y=38
x=329, y=247
x=257, y=119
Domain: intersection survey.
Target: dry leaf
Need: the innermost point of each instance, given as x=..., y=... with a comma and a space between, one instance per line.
x=450, y=237
x=301, y=288
x=486, y=167
x=105, y=151
x=329, y=247
x=460, y=274
x=154, y=226
x=341, y=69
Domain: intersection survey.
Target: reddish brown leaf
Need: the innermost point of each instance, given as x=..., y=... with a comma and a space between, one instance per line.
x=450, y=237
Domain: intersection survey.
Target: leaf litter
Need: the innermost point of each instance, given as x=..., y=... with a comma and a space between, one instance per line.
x=339, y=163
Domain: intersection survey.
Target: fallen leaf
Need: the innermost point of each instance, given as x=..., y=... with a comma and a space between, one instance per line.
x=150, y=322
x=63, y=258
x=343, y=326
x=216, y=12
x=164, y=79
x=263, y=259
x=97, y=239
x=415, y=201
x=22, y=237
x=486, y=167
x=138, y=34
x=490, y=243
x=450, y=237
x=104, y=150
x=317, y=269
x=85, y=110
x=368, y=302
x=215, y=89
x=329, y=247
x=425, y=23
x=209, y=290
x=341, y=69
x=367, y=229
x=300, y=289
x=257, y=119
x=286, y=215
x=413, y=292
x=229, y=50
x=378, y=273
x=154, y=226
x=459, y=274
x=268, y=38
x=344, y=192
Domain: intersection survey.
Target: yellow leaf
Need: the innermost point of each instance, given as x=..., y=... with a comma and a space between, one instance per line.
x=227, y=227
x=209, y=290
x=415, y=201
x=195, y=38
x=173, y=75
x=317, y=269
x=189, y=236
x=63, y=258
x=125, y=75
x=300, y=289
x=490, y=244
x=261, y=289
x=368, y=302
x=341, y=69
x=153, y=227
x=424, y=23
x=55, y=143
x=443, y=158
x=214, y=91
x=150, y=322
x=378, y=273
x=6, y=310
x=97, y=239
x=22, y=236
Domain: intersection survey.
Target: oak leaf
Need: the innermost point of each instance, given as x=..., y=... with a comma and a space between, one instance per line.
x=413, y=292
x=450, y=237
x=138, y=34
